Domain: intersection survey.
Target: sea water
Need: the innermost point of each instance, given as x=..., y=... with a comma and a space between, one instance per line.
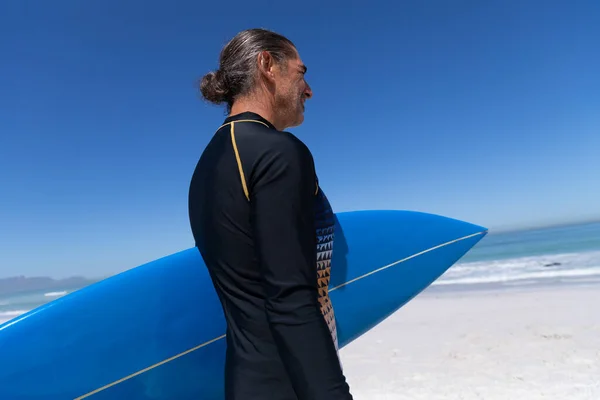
x=561, y=254
x=17, y=304
x=566, y=254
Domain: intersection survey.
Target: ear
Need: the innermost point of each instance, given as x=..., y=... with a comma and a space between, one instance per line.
x=266, y=65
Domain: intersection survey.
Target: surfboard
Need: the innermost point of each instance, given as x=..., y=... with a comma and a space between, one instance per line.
x=156, y=332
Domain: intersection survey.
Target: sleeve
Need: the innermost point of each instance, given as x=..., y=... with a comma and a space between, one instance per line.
x=282, y=202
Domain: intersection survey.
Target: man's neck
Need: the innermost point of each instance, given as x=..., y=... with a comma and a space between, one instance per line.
x=257, y=107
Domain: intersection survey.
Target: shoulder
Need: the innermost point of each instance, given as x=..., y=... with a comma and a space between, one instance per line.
x=292, y=146
x=283, y=158
x=285, y=147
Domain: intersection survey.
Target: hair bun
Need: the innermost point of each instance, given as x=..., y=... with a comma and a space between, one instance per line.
x=213, y=87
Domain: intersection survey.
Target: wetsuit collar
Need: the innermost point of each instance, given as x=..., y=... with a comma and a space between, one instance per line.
x=248, y=115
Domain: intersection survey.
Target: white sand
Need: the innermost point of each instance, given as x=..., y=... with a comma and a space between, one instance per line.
x=509, y=345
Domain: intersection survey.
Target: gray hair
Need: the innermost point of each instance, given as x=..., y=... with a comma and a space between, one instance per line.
x=237, y=64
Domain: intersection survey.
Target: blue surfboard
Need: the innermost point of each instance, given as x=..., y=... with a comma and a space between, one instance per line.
x=156, y=332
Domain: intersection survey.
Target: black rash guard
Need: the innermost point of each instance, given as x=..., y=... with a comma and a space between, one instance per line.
x=265, y=231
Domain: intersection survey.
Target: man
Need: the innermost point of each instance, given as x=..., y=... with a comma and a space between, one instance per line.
x=264, y=227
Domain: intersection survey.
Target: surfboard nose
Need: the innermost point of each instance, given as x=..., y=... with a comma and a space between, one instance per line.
x=383, y=258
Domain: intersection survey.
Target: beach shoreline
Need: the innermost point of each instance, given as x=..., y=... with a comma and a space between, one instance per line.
x=518, y=342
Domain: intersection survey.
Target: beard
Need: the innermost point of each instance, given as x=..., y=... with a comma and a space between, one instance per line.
x=290, y=107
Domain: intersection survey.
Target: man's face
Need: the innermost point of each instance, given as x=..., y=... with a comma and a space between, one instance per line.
x=292, y=91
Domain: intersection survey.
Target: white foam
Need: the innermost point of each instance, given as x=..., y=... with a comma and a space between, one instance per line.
x=6, y=316
x=496, y=278
x=568, y=265
x=55, y=294
x=10, y=314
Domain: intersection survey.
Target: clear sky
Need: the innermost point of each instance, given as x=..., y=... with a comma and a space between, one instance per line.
x=485, y=111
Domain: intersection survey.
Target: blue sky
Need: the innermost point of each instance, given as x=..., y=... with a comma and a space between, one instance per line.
x=482, y=111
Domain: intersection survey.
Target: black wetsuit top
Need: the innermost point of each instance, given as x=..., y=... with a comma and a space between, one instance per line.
x=265, y=231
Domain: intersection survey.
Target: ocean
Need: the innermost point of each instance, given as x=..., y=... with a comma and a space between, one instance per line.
x=557, y=255
x=561, y=254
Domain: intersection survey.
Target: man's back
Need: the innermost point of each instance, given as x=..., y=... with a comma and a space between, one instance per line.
x=254, y=209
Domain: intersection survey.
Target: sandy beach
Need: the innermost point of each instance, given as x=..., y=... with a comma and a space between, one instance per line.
x=529, y=344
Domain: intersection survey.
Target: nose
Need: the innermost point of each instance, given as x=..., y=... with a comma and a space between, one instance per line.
x=308, y=92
